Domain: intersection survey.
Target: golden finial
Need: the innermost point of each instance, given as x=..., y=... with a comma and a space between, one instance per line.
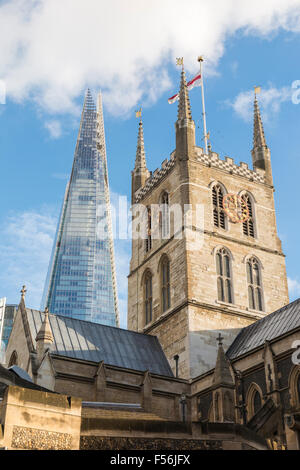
x=257, y=90
x=138, y=113
x=46, y=310
x=23, y=292
x=179, y=61
x=200, y=58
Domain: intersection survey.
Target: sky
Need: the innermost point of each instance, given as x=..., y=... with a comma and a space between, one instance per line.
x=52, y=50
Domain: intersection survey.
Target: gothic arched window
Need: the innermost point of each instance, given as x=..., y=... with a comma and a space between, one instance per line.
x=224, y=276
x=13, y=361
x=254, y=284
x=248, y=226
x=165, y=284
x=256, y=400
x=218, y=212
x=148, y=297
x=165, y=216
x=148, y=232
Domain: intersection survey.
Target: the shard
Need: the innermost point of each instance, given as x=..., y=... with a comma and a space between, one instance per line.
x=81, y=281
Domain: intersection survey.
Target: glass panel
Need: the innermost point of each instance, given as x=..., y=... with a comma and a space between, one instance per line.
x=228, y=291
x=219, y=264
x=220, y=289
x=256, y=402
x=258, y=299
x=251, y=297
x=227, y=266
x=256, y=274
x=249, y=273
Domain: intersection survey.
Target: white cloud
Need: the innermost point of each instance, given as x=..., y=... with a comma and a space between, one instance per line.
x=54, y=128
x=52, y=49
x=294, y=287
x=270, y=101
x=25, y=245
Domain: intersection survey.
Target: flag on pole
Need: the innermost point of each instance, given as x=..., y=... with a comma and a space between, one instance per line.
x=196, y=81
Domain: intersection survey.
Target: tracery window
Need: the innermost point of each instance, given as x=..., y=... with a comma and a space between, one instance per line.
x=148, y=245
x=248, y=225
x=255, y=292
x=224, y=276
x=165, y=216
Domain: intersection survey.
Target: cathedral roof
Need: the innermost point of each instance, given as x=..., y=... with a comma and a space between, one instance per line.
x=93, y=342
x=16, y=376
x=268, y=328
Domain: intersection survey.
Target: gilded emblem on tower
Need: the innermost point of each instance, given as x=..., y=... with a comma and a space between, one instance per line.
x=235, y=208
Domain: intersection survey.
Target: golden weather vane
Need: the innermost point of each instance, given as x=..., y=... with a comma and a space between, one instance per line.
x=138, y=113
x=179, y=61
x=257, y=90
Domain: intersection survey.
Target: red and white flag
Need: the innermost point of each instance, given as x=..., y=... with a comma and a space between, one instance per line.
x=196, y=81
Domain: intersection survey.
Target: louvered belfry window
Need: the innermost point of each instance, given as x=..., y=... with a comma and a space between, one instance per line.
x=148, y=245
x=165, y=216
x=218, y=212
x=248, y=226
x=254, y=285
x=224, y=276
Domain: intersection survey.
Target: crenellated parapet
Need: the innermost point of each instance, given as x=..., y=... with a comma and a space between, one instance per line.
x=156, y=177
x=229, y=166
x=212, y=160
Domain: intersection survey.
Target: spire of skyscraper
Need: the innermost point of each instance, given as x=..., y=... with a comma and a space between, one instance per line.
x=81, y=279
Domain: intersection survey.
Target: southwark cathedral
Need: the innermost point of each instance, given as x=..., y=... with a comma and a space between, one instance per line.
x=210, y=358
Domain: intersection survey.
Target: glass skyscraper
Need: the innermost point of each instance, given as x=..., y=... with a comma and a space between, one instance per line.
x=81, y=281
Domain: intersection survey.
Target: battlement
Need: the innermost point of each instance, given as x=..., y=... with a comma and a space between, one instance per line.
x=212, y=160
x=155, y=177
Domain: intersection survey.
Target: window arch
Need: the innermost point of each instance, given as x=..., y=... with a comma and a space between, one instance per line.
x=148, y=297
x=13, y=361
x=248, y=225
x=254, y=400
x=165, y=216
x=224, y=276
x=294, y=387
x=255, y=291
x=148, y=244
x=165, y=284
x=218, y=211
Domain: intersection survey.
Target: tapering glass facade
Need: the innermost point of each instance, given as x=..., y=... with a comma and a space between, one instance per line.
x=81, y=276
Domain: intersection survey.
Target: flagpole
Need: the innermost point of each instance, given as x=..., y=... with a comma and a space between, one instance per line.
x=200, y=60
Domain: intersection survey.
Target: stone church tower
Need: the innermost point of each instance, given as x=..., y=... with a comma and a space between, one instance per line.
x=195, y=271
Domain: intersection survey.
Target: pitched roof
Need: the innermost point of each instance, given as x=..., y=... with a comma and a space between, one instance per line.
x=272, y=326
x=10, y=377
x=89, y=341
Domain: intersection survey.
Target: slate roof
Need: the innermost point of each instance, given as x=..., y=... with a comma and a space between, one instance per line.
x=94, y=342
x=272, y=326
x=9, y=377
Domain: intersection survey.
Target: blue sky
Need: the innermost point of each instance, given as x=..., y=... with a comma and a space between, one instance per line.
x=45, y=83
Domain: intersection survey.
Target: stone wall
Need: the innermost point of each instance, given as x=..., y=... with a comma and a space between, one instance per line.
x=39, y=420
